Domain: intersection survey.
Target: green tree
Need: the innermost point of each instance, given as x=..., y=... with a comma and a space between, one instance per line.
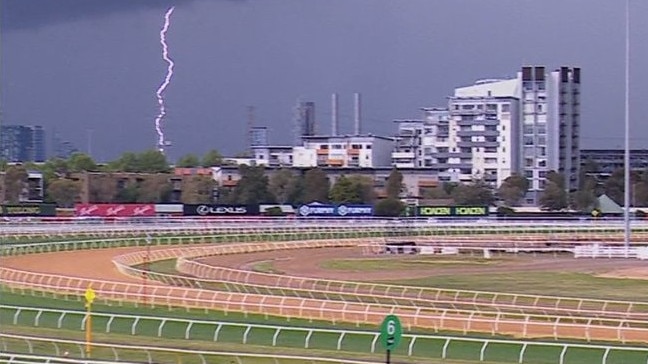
x=639, y=192
x=316, y=186
x=585, y=198
x=283, y=184
x=364, y=187
x=590, y=166
x=188, y=161
x=127, y=162
x=54, y=168
x=344, y=192
x=474, y=193
x=198, y=189
x=15, y=182
x=252, y=188
x=80, y=162
x=212, y=159
x=394, y=184
x=389, y=207
x=152, y=161
x=149, y=161
x=554, y=196
x=614, y=186
x=63, y=192
x=436, y=193
x=513, y=189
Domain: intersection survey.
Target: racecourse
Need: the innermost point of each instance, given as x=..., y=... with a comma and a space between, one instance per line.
x=118, y=277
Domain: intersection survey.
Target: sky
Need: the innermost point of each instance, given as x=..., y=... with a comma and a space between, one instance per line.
x=88, y=69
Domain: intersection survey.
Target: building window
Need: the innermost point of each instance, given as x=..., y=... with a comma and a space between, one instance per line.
x=506, y=107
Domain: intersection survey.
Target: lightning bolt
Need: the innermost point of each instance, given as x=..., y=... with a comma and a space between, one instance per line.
x=167, y=79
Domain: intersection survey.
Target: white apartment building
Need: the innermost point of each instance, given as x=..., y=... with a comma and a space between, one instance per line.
x=416, y=138
x=273, y=156
x=353, y=151
x=483, y=134
x=528, y=125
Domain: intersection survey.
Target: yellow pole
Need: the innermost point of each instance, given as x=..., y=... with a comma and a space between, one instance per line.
x=88, y=329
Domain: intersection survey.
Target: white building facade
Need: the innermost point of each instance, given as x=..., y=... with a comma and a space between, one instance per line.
x=354, y=151
x=528, y=125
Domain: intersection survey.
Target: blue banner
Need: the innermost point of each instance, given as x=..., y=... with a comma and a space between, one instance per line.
x=315, y=210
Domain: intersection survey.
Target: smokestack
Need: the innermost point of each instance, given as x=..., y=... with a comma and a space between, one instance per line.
x=334, y=114
x=357, y=110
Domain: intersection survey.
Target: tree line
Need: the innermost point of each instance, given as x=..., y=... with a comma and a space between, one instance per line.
x=292, y=186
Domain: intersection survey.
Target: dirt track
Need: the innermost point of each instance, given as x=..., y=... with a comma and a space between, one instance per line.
x=96, y=264
x=309, y=262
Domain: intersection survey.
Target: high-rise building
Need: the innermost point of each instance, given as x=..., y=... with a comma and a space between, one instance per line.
x=38, y=136
x=20, y=143
x=550, y=111
x=528, y=125
x=304, y=120
x=258, y=136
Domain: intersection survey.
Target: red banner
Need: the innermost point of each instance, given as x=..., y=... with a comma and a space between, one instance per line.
x=114, y=210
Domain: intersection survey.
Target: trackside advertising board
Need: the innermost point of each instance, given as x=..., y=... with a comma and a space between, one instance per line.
x=452, y=211
x=28, y=210
x=114, y=210
x=219, y=210
x=316, y=210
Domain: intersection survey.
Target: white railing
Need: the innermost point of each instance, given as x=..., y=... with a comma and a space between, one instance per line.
x=480, y=348
x=152, y=352
x=435, y=227
x=267, y=283
x=314, y=309
x=607, y=251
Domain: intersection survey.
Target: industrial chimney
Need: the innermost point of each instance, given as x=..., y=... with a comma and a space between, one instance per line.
x=334, y=114
x=357, y=110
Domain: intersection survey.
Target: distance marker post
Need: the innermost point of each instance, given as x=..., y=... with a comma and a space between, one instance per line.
x=391, y=332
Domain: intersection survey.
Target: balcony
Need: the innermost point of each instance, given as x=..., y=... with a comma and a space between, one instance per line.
x=229, y=183
x=428, y=183
x=469, y=133
x=403, y=155
x=335, y=162
x=478, y=122
x=403, y=164
x=322, y=151
x=478, y=144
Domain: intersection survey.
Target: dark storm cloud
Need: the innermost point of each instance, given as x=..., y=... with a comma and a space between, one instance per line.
x=24, y=14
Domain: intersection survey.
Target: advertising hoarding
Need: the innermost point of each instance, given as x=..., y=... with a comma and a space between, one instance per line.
x=219, y=210
x=114, y=210
x=452, y=211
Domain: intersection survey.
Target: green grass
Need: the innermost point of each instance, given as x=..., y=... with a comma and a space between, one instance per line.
x=266, y=266
x=540, y=283
x=404, y=263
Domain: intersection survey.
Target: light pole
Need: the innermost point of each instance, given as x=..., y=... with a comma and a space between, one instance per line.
x=626, y=197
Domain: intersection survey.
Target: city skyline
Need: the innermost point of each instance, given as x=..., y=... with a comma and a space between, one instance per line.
x=103, y=65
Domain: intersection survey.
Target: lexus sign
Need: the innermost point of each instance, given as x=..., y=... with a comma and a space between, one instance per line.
x=219, y=210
